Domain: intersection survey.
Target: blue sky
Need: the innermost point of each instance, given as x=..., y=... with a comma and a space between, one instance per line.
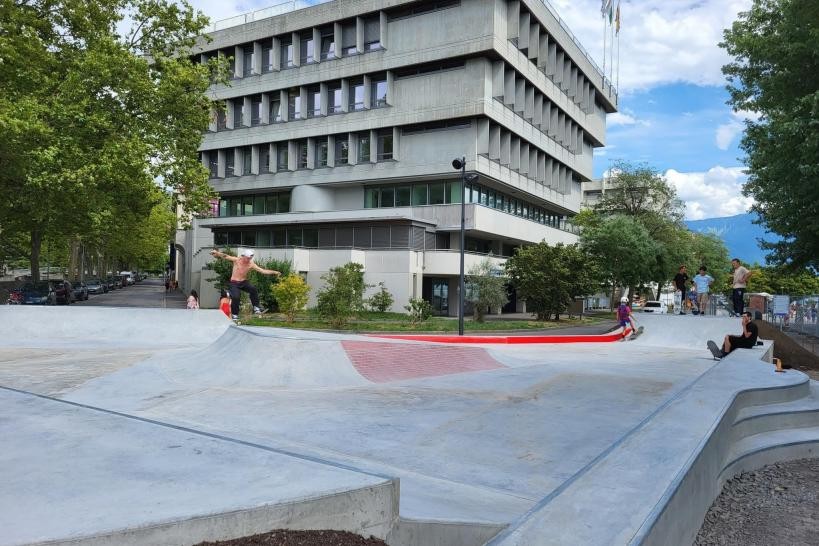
x=672, y=99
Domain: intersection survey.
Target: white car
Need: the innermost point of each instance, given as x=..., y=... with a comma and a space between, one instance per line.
x=656, y=307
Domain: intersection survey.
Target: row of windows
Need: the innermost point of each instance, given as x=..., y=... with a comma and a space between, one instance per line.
x=304, y=102
x=546, y=54
x=299, y=48
x=307, y=153
x=356, y=236
x=442, y=193
x=248, y=205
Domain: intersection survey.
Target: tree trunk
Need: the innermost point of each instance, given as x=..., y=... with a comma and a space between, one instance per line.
x=659, y=290
x=36, y=245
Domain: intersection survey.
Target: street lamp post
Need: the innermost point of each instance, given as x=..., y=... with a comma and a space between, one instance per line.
x=460, y=165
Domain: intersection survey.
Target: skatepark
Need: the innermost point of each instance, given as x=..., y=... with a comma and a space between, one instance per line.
x=174, y=427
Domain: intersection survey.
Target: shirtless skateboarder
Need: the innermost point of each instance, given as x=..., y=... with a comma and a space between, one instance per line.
x=238, y=279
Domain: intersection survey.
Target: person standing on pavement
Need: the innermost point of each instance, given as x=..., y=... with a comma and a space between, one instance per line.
x=740, y=283
x=238, y=279
x=193, y=300
x=702, y=282
x=680, y=281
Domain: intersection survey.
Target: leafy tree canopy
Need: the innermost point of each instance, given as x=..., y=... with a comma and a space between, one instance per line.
x=775, y=74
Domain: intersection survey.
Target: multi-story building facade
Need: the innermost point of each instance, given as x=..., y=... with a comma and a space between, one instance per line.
x=340, y=125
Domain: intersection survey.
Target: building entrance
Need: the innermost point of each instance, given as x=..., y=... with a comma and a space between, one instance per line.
x=436, y=292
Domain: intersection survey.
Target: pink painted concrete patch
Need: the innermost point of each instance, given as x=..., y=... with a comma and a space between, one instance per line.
x=385, y=362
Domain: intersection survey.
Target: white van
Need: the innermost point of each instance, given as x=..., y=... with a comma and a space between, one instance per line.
x=128, y=276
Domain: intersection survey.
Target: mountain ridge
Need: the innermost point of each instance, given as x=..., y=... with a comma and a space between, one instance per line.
x=739, y=233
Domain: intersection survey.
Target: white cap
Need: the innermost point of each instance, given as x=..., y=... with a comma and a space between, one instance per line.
x=624, y=299
x=247, y=253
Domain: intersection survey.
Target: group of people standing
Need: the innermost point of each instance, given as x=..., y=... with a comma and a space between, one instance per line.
x=696, y=291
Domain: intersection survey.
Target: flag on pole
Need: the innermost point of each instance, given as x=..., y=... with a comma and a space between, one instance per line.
x=617, y=19
x=605, y=7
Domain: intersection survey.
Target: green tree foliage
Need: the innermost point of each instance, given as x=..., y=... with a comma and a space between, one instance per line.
x=291, y=294
x=483, y=289
x=775, y=73
x=342, y=295
x=419, y=310
x=382, y=300
x=707, y=249
x=783, y=280
x=622, y=249
x=550, y=277
x=91, y=119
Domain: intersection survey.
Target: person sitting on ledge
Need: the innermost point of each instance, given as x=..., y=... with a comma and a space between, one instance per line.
x=747, y=340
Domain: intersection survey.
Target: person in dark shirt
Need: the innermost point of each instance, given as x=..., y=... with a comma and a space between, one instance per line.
x=746, y=340
x=680, y=281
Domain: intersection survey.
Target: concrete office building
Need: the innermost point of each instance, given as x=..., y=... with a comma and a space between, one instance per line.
x=342, y=120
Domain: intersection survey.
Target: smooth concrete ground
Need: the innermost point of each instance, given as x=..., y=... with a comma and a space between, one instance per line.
x=486, y=446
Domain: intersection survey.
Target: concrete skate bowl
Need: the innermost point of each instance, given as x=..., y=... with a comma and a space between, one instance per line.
x=74, y=326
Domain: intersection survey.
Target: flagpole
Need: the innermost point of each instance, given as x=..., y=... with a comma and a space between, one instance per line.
x=617, y=81
x=603, y=83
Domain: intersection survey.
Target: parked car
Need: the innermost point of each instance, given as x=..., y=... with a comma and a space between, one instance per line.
x=80, y=291
x=38, y=293
x=112, y=283
x=656, y=307
x=95, y=286
x=64, y=292
x=15, y=297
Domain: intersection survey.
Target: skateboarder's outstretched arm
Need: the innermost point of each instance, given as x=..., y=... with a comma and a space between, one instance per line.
x=264, y=271
x=216, y=254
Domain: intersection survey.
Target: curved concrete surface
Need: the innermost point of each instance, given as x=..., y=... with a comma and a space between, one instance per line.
x=600, y=443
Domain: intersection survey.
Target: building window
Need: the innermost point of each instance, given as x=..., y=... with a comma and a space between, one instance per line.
x=437, y=195
x=334, y=98
x=221, y=118
x=403, y=196
x=328, y=44
x=267, y=59
x=378, y=92
x=275, y=111
x=364, y=147
x=287, y=54
x=213, y=163
x=256, y=110
x=307, y=50
x=238, y=112
x=384, y=145
x=372, y=33
x=387, y=198
x=281, y=156
x=348, y=32
x=321, y=153
x=247, y=62
x=294, y=104
x=264, y=158
x=419, y=195
x=342, y=145
x=247, y=160
x=229, y=158
x=371, y=196
x=356, y=95
x=314, y=102
x=302, y=157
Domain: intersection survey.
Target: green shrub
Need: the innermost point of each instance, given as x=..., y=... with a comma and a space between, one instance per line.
x=484, y=289
x=291, y=294
x=419, y=310
x=342, y=295
x=382, y=300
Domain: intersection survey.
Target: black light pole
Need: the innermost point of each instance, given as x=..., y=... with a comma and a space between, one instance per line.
x=461, y=165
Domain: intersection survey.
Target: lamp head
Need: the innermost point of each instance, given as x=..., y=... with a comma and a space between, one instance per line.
x=458, y=163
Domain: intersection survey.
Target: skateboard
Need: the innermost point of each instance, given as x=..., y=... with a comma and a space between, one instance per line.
x=715, y=350
x=636, y=333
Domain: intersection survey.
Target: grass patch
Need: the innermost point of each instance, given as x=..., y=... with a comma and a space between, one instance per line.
x=398, y=322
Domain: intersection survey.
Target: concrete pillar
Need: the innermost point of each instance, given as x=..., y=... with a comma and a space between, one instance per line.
x=529, y=103
x=220, y=170
x=297, y=60
x=284, y=101
x=520, y=95
x=352, y=152
x=311, y=153
x=345, y=95
x=331, y=151
x=396, y=143
x=316, y=44
x=246, y=105
x=254, y=159
x=498, y=68
x=229, y=121
x=494, y=142
x=543, y=50
x=390, y=86
x=324, y=99
x=506, y=147
x=537, y=110
x=373, y=146
x=238, y=64
x=523, y=30
x=257, y=57
x=523, y=157
x=513, y=17
x=337, y=39
x=534, y=41
x=213, y=122
x=277, y=54
x=514, y=153
x=532, y=162
x=292, y=155
x=509, y=87
x=238, y=163
x=359, y=35
x=482, y=141
x=541, y=167
x=303, y=100
x=383, y=23
x=367, y=90
x=266, y=109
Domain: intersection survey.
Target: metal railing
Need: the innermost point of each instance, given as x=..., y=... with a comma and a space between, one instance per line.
x=264, y=13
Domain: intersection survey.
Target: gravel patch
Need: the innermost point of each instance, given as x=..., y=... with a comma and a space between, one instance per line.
x=775, y=505
x=284, y=537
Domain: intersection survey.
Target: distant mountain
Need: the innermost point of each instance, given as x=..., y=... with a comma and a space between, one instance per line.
x=739, y=233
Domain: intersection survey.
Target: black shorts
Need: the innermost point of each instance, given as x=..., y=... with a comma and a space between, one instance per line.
x=742, y=342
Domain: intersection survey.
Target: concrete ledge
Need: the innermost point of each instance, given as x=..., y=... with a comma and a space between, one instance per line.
x=408, y=532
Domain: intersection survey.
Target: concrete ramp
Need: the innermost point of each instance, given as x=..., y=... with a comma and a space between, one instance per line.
x=684, y=332
x=75, y=326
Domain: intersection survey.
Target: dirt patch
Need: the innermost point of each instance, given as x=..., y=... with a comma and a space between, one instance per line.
x=284, y=537
x=787, y=349
x=777, y=504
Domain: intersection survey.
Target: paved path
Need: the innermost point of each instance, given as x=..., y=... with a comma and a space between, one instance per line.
x=148, y=293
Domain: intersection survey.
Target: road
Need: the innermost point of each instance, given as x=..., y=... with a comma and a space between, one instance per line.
x=148, y=293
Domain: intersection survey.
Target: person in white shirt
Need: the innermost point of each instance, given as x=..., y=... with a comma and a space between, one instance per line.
x=741, y=276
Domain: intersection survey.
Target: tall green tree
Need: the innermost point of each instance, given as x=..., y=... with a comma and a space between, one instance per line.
x=91, y=119
x=775, y=74
x=550, y=277
x=484, y=289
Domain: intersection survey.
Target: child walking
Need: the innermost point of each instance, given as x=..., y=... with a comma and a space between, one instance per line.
x=624, y=317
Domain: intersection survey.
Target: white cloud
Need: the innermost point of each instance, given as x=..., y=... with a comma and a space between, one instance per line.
x=728, y=131
x=660, y=42
x=711, y=194
x=624, y=118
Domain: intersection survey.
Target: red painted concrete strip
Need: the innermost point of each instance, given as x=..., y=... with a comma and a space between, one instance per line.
x=385, y=362
x=510, y=340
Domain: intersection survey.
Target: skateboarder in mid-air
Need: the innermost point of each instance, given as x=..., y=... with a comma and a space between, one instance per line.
x=238, y=279
x=625, y=318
